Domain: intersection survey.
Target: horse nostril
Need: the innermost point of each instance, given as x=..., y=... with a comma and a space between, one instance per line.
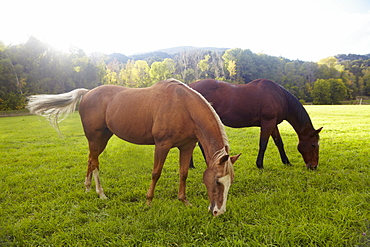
x=215, y=213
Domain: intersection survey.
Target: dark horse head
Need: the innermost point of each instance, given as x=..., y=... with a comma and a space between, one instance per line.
x=308, y=146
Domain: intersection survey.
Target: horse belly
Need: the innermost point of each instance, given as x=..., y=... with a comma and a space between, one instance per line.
x=240, y=118
x=128, y=122
x=132, y=132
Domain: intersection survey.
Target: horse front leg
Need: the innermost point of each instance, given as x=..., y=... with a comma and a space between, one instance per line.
x=261, y=152
x=185, y=156
x=160, y=155
x=266, y=130
x=280, y=145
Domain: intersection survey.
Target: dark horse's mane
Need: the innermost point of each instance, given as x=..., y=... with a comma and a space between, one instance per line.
x=295, y=107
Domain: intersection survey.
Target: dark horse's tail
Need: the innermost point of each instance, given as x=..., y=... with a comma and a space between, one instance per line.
x=55, y=107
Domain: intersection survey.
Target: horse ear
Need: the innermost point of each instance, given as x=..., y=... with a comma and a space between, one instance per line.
x=234, y=158
x=316, y=132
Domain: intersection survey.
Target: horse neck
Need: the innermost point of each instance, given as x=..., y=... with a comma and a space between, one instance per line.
x=300, y=121
x=211, y=143
x=210, y=133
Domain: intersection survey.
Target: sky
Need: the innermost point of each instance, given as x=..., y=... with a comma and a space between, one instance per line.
x=307, y=30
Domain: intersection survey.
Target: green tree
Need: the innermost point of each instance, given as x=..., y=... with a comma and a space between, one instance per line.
x=269, y=67
x=12, y=81
x=204, y=66
x=231, y=68
x=349, y=80
x=330, y=91
x=231, y=58
x=85, y=73
x=186, y=65
x=162, y=70
x=321, y=92
x=245, y=68
x=34, y=68
x=141, y=74
x=111, y=77
x=338, y=90
x=329, y=68
x=126, y=75
x=366, y=79
x=309, y=71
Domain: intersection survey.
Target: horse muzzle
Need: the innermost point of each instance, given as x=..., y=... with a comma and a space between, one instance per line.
x=311, y=166
x=215, y=211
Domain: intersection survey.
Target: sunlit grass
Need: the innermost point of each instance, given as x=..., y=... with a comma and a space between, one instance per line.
x=42, y=199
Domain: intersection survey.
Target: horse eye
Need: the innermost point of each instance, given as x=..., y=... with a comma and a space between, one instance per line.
x=313, y=145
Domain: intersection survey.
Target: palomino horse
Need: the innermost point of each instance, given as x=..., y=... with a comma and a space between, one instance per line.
x=265, y=104
x=168, y=114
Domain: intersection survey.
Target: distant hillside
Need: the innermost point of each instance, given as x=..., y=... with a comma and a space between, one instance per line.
x=176, y=50
x=156, y=56
x=352, y=57
x=162, y=54
x=117, y=57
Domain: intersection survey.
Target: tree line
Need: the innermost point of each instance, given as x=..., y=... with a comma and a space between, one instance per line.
x=36, y=68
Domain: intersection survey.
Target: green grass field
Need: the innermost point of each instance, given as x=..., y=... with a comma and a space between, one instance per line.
x=43, y=203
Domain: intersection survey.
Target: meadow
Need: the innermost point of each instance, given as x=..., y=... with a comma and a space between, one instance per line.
x=43, y=202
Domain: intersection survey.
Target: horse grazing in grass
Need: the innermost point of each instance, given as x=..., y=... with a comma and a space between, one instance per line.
x=265, y=104
x=168, y=114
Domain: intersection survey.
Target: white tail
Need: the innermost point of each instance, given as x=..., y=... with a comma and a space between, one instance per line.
x=55, y=107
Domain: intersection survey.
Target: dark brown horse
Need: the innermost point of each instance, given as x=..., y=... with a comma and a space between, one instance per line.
x=265, y=104
x=168, y=114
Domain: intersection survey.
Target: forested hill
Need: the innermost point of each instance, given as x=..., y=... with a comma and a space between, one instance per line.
x=352, y=57
x=176, y=50
x=34, y=68
x=162, y=54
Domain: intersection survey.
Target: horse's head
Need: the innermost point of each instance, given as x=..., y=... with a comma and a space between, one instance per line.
x=218, y=178
x=308, y=146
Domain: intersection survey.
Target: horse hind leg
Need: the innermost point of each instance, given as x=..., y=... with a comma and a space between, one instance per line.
x=280, y=145
x=191, y=159
x=97, y=144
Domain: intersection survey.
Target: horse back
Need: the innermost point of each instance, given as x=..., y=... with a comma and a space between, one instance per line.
x=272, y=99
x=244, y=105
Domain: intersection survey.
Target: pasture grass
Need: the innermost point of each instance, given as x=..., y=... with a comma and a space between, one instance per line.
x=43, y=203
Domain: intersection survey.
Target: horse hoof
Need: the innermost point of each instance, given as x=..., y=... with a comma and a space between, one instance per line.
x=185, y=201
x=188, y=204
x=103, y=197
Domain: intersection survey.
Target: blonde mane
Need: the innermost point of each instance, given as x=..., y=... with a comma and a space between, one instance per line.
x=228, y=168
x=220, y=124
